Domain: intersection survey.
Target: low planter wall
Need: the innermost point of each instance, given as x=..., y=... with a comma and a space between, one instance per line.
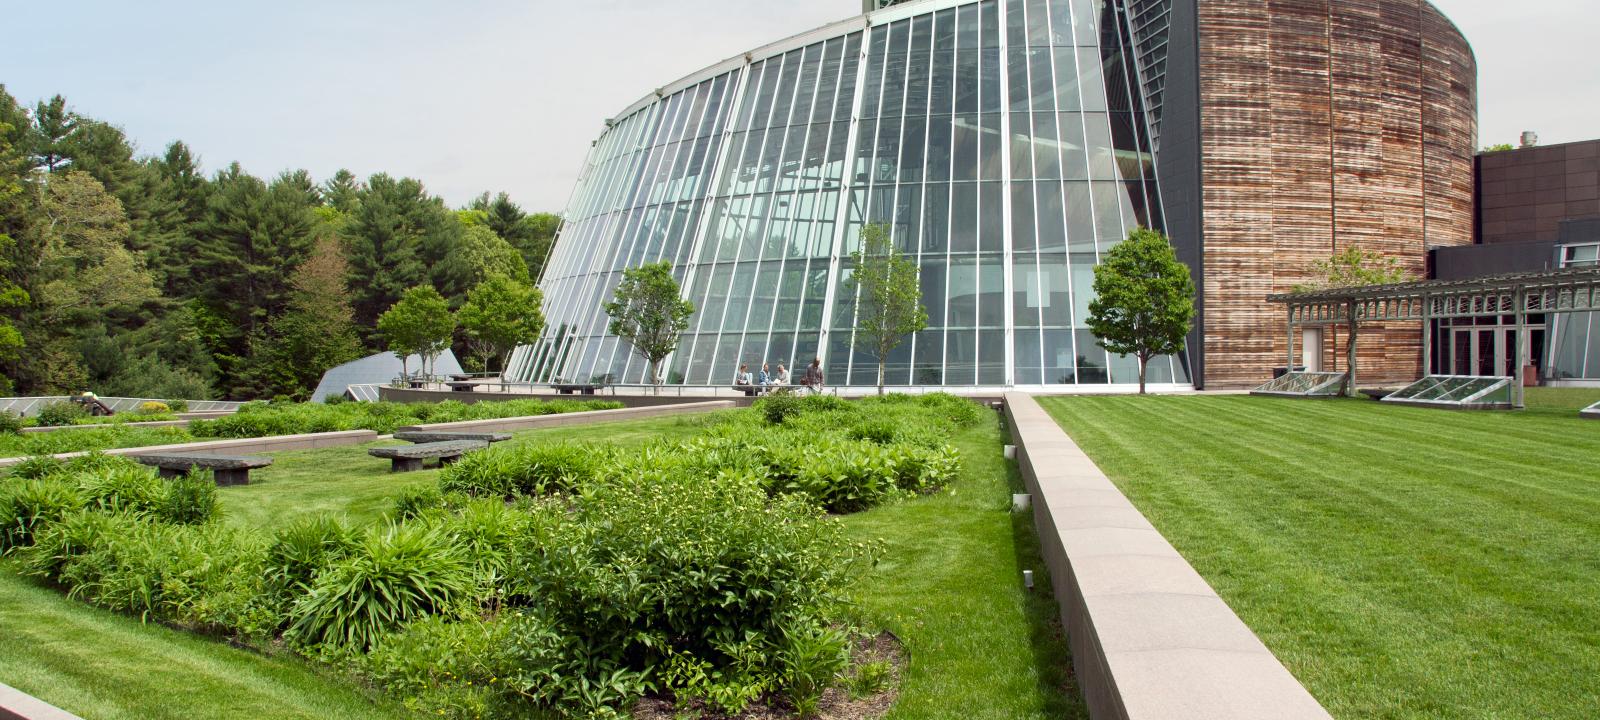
x=18, y=705
x=667, y=397
x=238, y=446
x=151, y=424
x=1149, y=638
x=530, y=422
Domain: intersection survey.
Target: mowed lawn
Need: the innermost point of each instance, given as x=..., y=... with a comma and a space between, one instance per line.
x=948, y=585
x=1403, y=562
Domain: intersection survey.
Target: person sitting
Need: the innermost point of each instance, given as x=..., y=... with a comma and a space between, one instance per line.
x=782, y=378
x=743, y=381
x=813, y=377
x=765, y=378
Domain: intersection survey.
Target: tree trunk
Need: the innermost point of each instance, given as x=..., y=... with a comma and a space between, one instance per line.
x=881, y=363
x=1350, y=356
x=1143, y=363
x=404, y=371
x=655, y=377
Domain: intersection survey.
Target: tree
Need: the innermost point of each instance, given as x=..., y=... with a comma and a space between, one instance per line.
x=342, y=192
x=1354, y=267
x=1500, y=147
x=397, y=236
x=888, y=296
x=647, y=312
x=500, y=314
x=420, y=323
x=1144, y=299
x=315, y=333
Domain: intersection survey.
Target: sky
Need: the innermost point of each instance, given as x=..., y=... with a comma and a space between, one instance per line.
x=471, y=95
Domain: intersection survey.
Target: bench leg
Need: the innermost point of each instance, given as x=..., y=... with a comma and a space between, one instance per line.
x=236, y=476
x=405, y=464
x=170, y=473
x=448, y=460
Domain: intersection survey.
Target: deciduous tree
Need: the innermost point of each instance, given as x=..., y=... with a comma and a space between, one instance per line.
x=646, y=311
x=1354, y=267
x=1144, y=299
x=420, y=323
x=500, y=314
x=888, y=296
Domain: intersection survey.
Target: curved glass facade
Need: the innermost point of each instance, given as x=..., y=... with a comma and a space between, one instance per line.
x=1002, y=141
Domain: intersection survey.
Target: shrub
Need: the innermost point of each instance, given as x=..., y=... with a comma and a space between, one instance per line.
x=123, y=487
x=524, y=470
x=812, y=656
x=870, y=678
x=417, y=500
x=10, y=424
x=958, y=410
x=37, y=466
x=397, y=573
x=262, y=419
x=776, y=408
x=89, y=438
x=335, y=399
x=152, y=407
x=300, y=551
x=202, y=576
x=25, y=507
x=60, y=413
x=191, y=499
x=178, y=406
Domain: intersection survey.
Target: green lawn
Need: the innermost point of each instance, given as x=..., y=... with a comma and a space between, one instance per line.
x=104, y=666
x=948, y=585
x=1403, y=562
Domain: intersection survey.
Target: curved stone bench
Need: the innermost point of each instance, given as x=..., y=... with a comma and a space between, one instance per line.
x=408, y=458
x=226, y=469
x=426, y=436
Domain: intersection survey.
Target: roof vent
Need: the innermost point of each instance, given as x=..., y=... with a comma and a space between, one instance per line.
x=1529, y=138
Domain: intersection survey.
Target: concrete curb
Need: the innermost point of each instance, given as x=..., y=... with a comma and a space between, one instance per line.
x=18, y=705
x=530, y=422
x=238, y=446
x=1150, y=639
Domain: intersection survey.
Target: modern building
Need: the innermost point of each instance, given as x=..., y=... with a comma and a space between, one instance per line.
x=1009, y=144
x=1538, y=209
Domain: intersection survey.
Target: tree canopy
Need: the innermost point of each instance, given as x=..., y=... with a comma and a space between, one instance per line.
x=500, y=314
x=888, y=296
x=419, y=323
x=144, y=273
x=1144, y=299
x=646, y=311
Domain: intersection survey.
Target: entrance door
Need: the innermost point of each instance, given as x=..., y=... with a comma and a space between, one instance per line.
x=1482, y=351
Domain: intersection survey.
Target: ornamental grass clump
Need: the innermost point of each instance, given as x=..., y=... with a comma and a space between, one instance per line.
x=396, y=573
x=27, y=505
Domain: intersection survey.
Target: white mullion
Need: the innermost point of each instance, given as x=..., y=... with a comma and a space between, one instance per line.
x=816, y=230
x=950, y=199
x=922, y=199
x=1007, y=258
x=830, y=298
x=805, y=142
x=708, y=208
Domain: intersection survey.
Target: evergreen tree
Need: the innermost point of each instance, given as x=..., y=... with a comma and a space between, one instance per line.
x=315, y=333
x=397, y=238
x=342, y=192
x=177, y=206
x=53, y=124
x=252, y=238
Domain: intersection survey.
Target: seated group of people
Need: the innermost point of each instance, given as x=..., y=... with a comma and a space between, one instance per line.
x=766, y=379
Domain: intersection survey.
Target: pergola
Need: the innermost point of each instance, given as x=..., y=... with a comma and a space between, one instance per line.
x=1518, y=295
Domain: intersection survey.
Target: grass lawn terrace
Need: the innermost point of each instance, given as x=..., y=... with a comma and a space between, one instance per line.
x=1402, y=562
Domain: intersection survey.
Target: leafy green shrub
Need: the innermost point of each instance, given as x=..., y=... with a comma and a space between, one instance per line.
x=202, y=576
x=417, y=500
x=775, y=408
x=870, y=678
x=26, y=506
x=191, y=499
x=10, y=424
x=37, y=466
x=300, y=551
x=812, y=656
x=443, y=668
x=881, y=432
x=178, y=406
x=958, y=410
x=396, y=573
x=60, y=413
x=524, y=470
x=263, y=419
x=89, y=438
x=152, y=407
x=335, y=399
x=124, y=487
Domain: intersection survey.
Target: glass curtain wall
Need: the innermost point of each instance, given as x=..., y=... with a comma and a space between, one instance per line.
x=1002, y=143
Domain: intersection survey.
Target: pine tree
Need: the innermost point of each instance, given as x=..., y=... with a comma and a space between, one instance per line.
x=342, y=192
x=397, y=238
x=315, y=332
x=53, y=124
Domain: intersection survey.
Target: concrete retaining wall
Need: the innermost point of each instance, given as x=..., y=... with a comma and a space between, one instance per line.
x=1150, y=639
x=18, y=705
x=577, y=418
x=241, y=446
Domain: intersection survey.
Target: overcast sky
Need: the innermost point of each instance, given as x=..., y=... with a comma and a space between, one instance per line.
x=474, y=95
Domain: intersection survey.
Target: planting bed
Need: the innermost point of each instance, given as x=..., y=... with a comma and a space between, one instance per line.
x=708, y=534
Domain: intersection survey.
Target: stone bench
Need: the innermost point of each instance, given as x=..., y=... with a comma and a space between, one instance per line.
x=424, y=436
x=406, y=458
x=227, y=469
x=463, y=385
x=574, y=388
